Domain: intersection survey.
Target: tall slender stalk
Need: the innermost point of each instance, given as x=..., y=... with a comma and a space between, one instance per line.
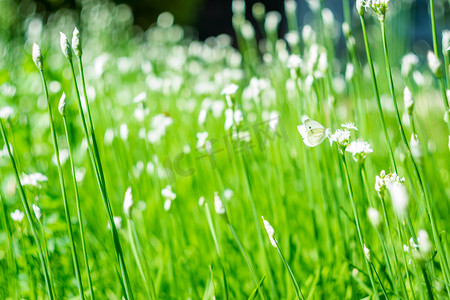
x=63, y=190
x=357, y=223
x=77, y=200
x=413, y=162
x=48, y=282
x=377, y=94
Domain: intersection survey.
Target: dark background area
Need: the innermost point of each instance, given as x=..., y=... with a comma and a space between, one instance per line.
x=213, y=17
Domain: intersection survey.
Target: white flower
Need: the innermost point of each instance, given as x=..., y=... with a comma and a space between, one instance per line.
x=383, y=181
x=273, y=18
x=37, y=56
x=33, y=179
x=128, y=202
x=80, y=173
x=270, y=232
x=399, y=198
x=341, y=137
x=308, y=35
x=167, y=193
x=349, y=125
x=62, y=104
x=232, y=117
x=63, y=156
x=349, y=72
x=294, y=62
x=227, y=194
x=274, y=120
x=123, y=132
x=413, y=244
x=374, y=216
x=167, y=204
x=359, y=150
x=201, y=139
x=218, y=204
x=201, y=201
x=405, y=248
x=230, y=89
x=6, y=112
x=76, y=43
x=408, y=62
x=434, y=64
x=118, y=222
x=37, y=211
x=415, y=147
x=361, y=6
x=65, y=46
x=367, y=253
x=140, y=97
x=408, y=100
x=17, y=215
x=379, y=7
x=425, y=245
x=109, y=136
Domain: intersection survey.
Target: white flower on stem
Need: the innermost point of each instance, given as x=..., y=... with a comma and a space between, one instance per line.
x=349, y=72
x=359, y=150
x=65, y=45
x=399, y=198
x=218, y=204
x=76, y=42
x=349, y=125
x=415, y=147
x=408, y=62
x=80, y=173
x=294, y=62
x=62, y=104
x=167, y=193
x=274, y=120
x=379, y=7
x=37, y=212
x=293, y=38
x=238, y=7
x=201, y=139
x=425, y=245
x=230, y=89
x=383, y=180
x=434, y=64
x=6, y=112
x=361, y=6
x=17, y=215
x=367, y=253
x=340, y=137
x=308, y=35
x=406, y=248
x=201, y=201
x=33, y=179
x=117, y=223
x=227, y=194
x=413, y=244
x=109, y=136
x=374, y=217
x=272, y=21
x=167, y=204
x=270, y=232
x=128, y=203
x=63, y=156
x=123, y=130
x=408, y=100
x=445, y=40
x=37, y=56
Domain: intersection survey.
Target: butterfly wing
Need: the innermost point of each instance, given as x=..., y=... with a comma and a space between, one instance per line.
x=316, y=136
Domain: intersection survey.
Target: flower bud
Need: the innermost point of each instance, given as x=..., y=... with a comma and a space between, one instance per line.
x=65, y=46
x=361, y=7
x=434, y=64
x=367, y=253
x=37, y=56
x=76, y=42
x=408, y=100
x=62, y=104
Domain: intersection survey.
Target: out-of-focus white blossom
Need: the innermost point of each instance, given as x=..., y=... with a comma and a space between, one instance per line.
x=128, y=202
x=17, y=216
x=270, y=232
x=359, y=150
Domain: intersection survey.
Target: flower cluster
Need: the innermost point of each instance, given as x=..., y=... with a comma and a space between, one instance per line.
x=359, y=150
x=379, y=7
x=342, y=136
x=169, y=196
x=384, y=180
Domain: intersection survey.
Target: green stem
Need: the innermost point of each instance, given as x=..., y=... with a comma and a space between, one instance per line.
x=23, y=197
x=95, y=160
x=357, y=223
x=298, y=291
x=415, y=168
x=77, y=200
x=63, y=190
x=377, y=94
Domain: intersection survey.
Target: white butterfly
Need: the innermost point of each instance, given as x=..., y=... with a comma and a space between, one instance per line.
x=312, y=132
